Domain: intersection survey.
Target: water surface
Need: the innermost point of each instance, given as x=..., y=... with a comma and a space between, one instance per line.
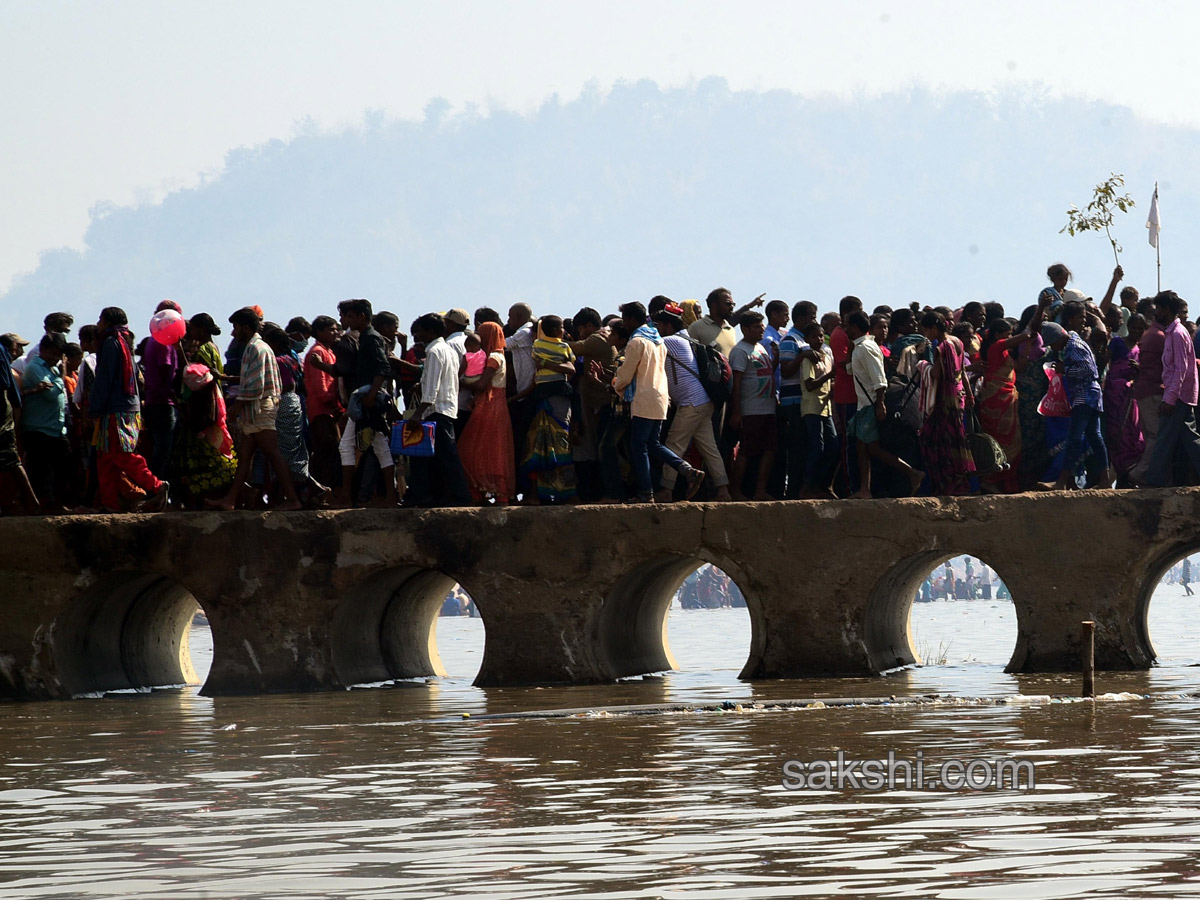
x=392, y=792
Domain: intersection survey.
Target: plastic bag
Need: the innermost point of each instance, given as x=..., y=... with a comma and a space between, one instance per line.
x=1055, y=403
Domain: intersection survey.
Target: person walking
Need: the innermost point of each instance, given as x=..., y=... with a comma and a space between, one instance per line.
x=115, y=407
x=644, y=367
x=1177, y=412
x=693, y=408
x=257, y=408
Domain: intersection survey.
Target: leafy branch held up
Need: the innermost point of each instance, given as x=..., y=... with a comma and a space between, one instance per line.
x=1100, y=213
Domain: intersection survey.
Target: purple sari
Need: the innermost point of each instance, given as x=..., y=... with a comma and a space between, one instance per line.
x=1123, y=430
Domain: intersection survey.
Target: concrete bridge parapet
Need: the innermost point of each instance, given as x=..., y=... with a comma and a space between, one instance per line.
x=323, y=600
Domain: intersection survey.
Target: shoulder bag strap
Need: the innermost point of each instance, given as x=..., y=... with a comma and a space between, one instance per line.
x=680, y=362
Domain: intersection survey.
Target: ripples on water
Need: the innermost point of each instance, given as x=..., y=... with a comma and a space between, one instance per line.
x=392, y=793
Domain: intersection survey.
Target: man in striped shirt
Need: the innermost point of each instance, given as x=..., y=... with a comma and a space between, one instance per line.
x=693, y=408
x=255, y=409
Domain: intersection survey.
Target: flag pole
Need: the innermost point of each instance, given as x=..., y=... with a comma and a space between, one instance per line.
x=1158, y=248
x=1154, y=223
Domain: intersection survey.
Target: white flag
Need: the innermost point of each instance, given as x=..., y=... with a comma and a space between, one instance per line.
x=1153, y=222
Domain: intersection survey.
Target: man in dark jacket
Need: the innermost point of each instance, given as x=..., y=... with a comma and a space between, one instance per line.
x=367, y=372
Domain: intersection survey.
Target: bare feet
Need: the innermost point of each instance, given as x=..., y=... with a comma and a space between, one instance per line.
x=319, y=497
x=762, y=497
x=915, y=480
x=723, y=495
x=662, y=495
x=861, y=494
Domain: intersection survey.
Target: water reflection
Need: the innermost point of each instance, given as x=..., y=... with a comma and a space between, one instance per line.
x=391, y=792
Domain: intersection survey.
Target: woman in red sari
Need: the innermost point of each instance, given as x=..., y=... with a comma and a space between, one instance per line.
x=997, y=401
x=486, y=445
x=948, y=460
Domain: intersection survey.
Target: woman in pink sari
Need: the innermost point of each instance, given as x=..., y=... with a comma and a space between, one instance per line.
x=1123, y=428
x=486, y=445
x=948, y=460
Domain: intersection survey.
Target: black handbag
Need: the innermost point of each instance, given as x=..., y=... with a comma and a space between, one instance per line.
x=988, y=454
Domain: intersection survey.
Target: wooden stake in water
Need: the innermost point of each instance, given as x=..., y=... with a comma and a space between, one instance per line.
x=1089, y=659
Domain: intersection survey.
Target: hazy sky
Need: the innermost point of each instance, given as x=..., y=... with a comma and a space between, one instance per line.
x=121, y=102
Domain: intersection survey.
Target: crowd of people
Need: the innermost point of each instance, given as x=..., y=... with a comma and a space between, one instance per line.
x=654, y=403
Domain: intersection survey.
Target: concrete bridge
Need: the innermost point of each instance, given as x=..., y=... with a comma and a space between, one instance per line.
x=315, y=601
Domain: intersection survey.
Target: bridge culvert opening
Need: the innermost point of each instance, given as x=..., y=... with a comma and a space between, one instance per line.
x=1169, y=608
x=676, y=613
x=939, y=609
x=131, y=631
x=386, y=629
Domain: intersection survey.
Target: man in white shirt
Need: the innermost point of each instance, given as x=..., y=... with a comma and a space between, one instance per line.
x=457, y=322
x=438, y=480
x=87, y=367
x=518, y=335
x=870, y=386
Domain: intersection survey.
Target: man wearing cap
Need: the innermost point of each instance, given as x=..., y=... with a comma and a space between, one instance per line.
x=457, y=322
x=201, y=349
x=55, y=323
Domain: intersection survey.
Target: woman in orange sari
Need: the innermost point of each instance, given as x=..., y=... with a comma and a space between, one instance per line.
x=996, y=402
x=486, y=445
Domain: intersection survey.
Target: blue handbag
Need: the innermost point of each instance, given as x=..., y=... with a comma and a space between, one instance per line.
x=413, y=438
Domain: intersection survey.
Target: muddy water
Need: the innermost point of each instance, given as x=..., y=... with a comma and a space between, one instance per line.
x=391, y=792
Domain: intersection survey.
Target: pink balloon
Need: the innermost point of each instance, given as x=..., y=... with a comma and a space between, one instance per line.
x=168, y=327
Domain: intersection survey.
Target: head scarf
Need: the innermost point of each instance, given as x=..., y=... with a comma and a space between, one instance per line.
x=647, y=332
x=169, y=304
x=491, y=337
x=1052, y=333
x=124, y=341
x=196, y=376
x=1118, y=350
x=691, y=312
